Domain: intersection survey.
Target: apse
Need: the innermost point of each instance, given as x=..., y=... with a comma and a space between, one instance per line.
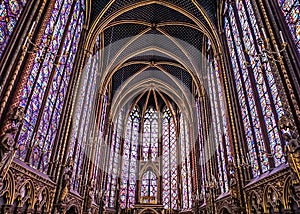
x=149, y=106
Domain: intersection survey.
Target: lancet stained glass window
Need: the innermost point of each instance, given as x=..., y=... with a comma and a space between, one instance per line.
x=83, y=100
x=114, y=162
x=202, y=153
x=260, y=106
x=10, y=11
x=185, y=163
x=100, y=139
x=150, y=134
x=85, y=119
x=129, y=160
x=149, y=187
x=291, y=13
x=44, y=94
x=176, y=161
x=169, y=155
x=220, y=135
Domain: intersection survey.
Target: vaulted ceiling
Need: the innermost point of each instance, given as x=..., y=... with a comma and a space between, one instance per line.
x=210, y=6
x=154, y=36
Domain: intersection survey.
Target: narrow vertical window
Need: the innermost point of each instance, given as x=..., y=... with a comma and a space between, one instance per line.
x=10, y=11
x=170, y=175
x=255, y=84
x=150, y=134
x=129, y=160
x=186, y=167
x=114, y=161
x=219, y=130
x=291, y=11
x=43, y=96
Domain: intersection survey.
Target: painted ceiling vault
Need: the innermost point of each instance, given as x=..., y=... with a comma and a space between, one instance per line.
x=165, y=36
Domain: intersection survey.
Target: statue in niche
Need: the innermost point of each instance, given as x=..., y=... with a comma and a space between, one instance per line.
x=18, y=116
x=7, y=140
x=292, y=150
x=7, y=150
x=293, y=154
x=233, y=185
x=90, y=197
x=67, y=176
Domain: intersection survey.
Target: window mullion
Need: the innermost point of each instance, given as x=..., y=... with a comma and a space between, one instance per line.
x=32, y=89
x=254, y=89
x=263, y=69
x=244, y=92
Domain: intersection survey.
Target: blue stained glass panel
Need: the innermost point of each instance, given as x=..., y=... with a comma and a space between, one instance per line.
x=10, y=11
x=264, y=87
x=40, y=80
x=129, y=162
x=291, y=12
x=236, y=53
x=169, y=168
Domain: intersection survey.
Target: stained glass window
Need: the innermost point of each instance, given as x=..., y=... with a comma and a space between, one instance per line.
x=149, y=187
x=255, y=84
x=150, y=134
x=114, y=162
x=291, y=11
x=85, y=119
x=100, y=138
x=129, y=162
x=219, y=130
x=44, y=95
x=169, y=155
x=10, y=11
x=202, y=150
x=186, y=167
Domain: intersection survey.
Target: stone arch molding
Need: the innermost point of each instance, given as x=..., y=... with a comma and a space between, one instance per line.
x=209, y=29
x=140, y=82
x=225, y=208
x=23, y=193
x=42, y=198
x=7, y=189
x=254, y=201
x=149, y=167
x=288, y=195
x=73, y=204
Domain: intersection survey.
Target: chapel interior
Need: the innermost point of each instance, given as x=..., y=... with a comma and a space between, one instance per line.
x=149, y=106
